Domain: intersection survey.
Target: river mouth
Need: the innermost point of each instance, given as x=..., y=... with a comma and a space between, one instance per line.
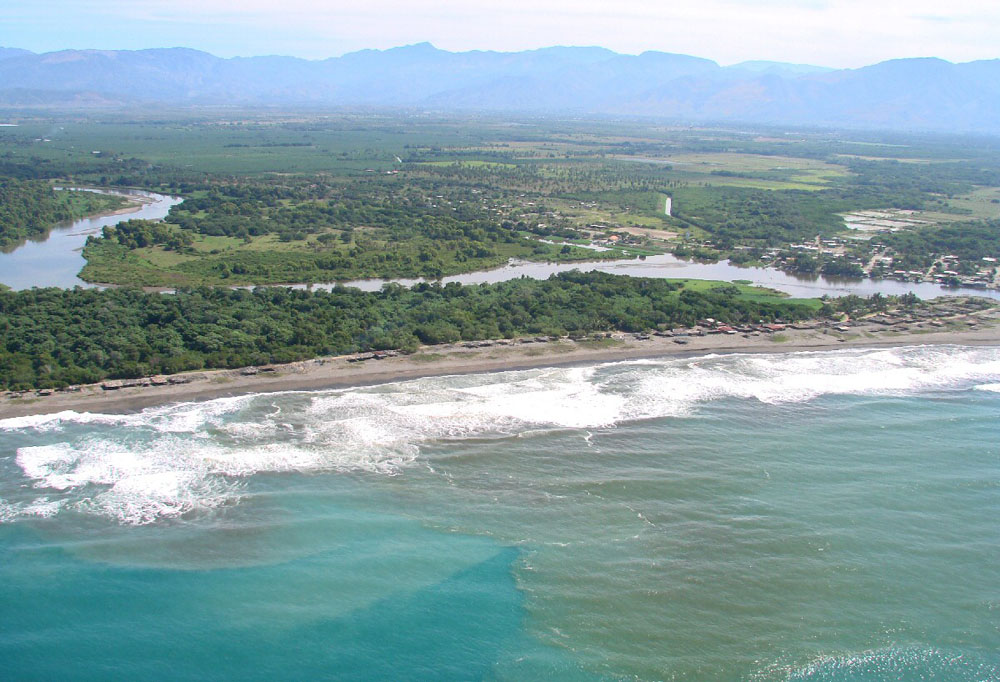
x=56, y=259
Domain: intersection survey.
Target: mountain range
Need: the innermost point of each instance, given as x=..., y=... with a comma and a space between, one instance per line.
x=901, y=94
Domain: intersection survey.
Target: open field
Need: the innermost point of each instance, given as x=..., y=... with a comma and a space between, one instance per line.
x=750, y=170
x=983, y=202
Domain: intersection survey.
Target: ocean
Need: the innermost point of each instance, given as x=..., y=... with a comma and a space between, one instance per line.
x=825, y=515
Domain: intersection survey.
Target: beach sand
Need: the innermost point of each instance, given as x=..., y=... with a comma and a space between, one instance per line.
x=981, y=328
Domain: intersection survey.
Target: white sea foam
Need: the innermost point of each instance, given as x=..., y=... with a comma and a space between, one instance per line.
x=172, y=460
x=675, y=387
x=145, y=498
x=185, y=417
x=44, y=421
x=992, y=388
x=42, y=506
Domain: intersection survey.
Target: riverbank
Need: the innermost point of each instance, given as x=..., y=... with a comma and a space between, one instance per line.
x=55, y=260
x=978, y=328
x=668, y=266
x=134, y=202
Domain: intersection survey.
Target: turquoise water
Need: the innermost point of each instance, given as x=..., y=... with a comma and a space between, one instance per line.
x=806, y=516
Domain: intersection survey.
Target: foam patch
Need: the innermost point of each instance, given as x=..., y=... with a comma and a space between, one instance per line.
x=172, y=460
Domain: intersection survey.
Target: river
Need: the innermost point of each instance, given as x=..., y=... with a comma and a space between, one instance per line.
x=668, y=266
x=56, y=260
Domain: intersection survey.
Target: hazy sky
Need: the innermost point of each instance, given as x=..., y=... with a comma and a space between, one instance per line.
x=840, y=33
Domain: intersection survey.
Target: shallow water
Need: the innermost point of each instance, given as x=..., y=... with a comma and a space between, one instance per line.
x=825, y=515
x=670, y=267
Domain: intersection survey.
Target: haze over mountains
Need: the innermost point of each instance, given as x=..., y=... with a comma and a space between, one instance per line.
x=903, y=94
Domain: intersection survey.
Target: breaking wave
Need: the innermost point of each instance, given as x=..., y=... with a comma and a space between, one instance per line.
x=171, y=460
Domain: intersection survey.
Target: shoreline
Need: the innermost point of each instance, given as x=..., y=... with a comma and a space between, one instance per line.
x=135, y=205
x=135, y=201
x=457, y=359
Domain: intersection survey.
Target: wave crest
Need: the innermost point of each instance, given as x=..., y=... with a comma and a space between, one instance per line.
x=171, y=460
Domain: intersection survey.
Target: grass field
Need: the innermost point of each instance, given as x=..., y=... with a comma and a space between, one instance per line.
x=983, y=202
x=747, y=292
x=755, y=170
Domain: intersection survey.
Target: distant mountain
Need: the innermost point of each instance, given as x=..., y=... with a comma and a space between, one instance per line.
x=911, y=94
x=8, y=52
x=23, y=97
x=780, y=68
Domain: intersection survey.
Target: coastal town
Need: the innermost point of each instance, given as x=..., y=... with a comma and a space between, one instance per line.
x=858, y=252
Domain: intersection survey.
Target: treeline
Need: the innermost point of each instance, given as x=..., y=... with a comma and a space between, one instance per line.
x=96, y=170
x=805, y=263
x=30, y=208
x=55, y=337
x=913, y=182
x=136, y=234
x=253, y=209
x=854, y=305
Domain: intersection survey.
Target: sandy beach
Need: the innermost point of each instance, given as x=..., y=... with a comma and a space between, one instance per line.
x=977, y=328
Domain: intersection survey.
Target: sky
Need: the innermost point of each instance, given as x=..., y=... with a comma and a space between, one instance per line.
x=835, y=33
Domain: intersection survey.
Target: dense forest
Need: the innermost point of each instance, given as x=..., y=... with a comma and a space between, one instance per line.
x=30, y=208
x=55, y=337
x=733, y=215
x=908, y=185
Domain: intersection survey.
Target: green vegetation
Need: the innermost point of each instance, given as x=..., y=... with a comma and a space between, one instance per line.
x=30, y=208
x=289, y=197
x=856, y=306
x=308, y=197
x=755, y=171
x=969, y=243
x=54, y=337
x=733, y=215
x=285, y=230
